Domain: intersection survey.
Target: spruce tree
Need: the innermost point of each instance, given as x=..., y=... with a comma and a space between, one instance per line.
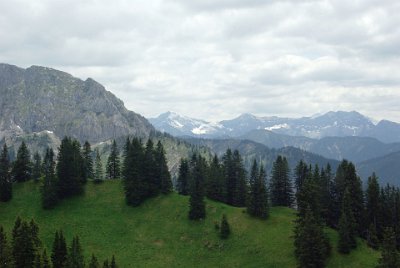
x=94, y=263
x=183, y=178
x=347, y=226
x=215, y=186
x=113, y=262
x=372, y=201
x=197, y=208
x=22, y=167
x=45, y=260
x=301, y=173
x=225, y=229
x=70, y=169
x=5, y=176
x=152, y=181
x=105, y=264
x=87, y=155
x=59, y=252
x=37, y=263
x=162, y=172
x=372, y=237
x=75, y=257
x=5, y=251
x=390, y=256
x=49, y=188
x=258, y=197
x=37, y=167
x=113, y=163
x=311, y=244
x=240, y=183
x=281, y=187
x=98, y=171
x=24, y=250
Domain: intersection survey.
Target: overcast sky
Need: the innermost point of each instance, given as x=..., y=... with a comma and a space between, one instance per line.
x=217, y=59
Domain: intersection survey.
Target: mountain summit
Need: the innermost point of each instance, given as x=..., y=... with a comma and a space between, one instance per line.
x=40, y=99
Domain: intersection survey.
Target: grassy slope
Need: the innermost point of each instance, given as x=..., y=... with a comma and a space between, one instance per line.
x=158, y=234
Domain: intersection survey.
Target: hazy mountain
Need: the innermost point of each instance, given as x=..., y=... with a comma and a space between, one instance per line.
x=386, y=167
x=356, y=149
x=40, y=99
x=331, y=124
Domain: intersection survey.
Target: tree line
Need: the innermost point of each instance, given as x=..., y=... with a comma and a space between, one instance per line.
x=25, y=250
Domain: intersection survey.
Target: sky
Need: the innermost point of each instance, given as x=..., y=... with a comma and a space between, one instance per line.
x=217, y=59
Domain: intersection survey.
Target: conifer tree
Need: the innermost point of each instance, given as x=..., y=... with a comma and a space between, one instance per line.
x=301, y=173
x=75, y=257
x=162, y=172
x=347, y=226
x=240, y=183
x=23, y=245
x=196, y=202
x=59, y=253
x=113, y=262
x=308, y=197
x=5, y=251
x=372, y=237
x=183, y=178
x=215, y=186
x=225, y=229
x=258, y=198
x=372, y=201
x=311, y=245
x=151, y=184
x=37, y=167
x=94, y=263
x=5, y=176
x=390, y=256
x=49, y=188
x=105, y=264
x=22, y=167
x=37, y=263
x=45, y=260
x=70, y=169
x=281, y=187
x=87, y=155
x=98, y=171
x=113, y=163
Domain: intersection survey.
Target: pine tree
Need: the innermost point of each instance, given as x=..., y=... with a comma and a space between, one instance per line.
x=45, y=260
x=162, y=172
x=94, y=263
x=113, y=163
x=390, y=256
x=311, y=245
x=281, y=187
x=215, y=186
x=5, y=251
x=75, y=257
x=22, y=168
x=98, y=172
x=70, y=169
x=225, y=229
x=87, y=155
x=59, y=253
x=49, y=188
x=347, y=226
x=197, y=208
x=5, y=176
x=37, y=167
x=258, y=198
x=183, y=177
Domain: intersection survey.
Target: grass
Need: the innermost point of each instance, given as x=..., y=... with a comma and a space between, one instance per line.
x=159, y=234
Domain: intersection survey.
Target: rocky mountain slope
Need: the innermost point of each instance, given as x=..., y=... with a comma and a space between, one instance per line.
x=40, y=99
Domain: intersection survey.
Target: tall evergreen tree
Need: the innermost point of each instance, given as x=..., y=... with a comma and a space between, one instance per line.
x=23, y=248
x=49, y=188
x=258, y=198
x=162, y=172
x=59, y=253
x=113, y=163
x=225, y=229
x=390, y=256
x=240, y=192
x=347, y=226
x=301, y=173
x=183, y=178
x=311, y=245
x=215, y=186
x=106, y=264
x=98, y=171
x=197, y=208
x=75, y=257
x=87, y=154
x=308, y=197
x=5, y=251
x=37, y=167
x=22, y=167
x=94, y=263
x=45, y=260
x=372, y=200
x=70, y=169
x=5, y=176
x=281, y=187
x=113, y=263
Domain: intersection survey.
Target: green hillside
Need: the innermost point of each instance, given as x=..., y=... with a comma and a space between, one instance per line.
x=158, y=233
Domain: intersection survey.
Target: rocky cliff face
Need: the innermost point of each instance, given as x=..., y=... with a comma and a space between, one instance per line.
x=40, y=99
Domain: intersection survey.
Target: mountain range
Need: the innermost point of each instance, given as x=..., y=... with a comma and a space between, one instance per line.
x=331, y=124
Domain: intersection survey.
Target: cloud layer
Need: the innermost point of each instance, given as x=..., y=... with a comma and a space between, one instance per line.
x=217, y=59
